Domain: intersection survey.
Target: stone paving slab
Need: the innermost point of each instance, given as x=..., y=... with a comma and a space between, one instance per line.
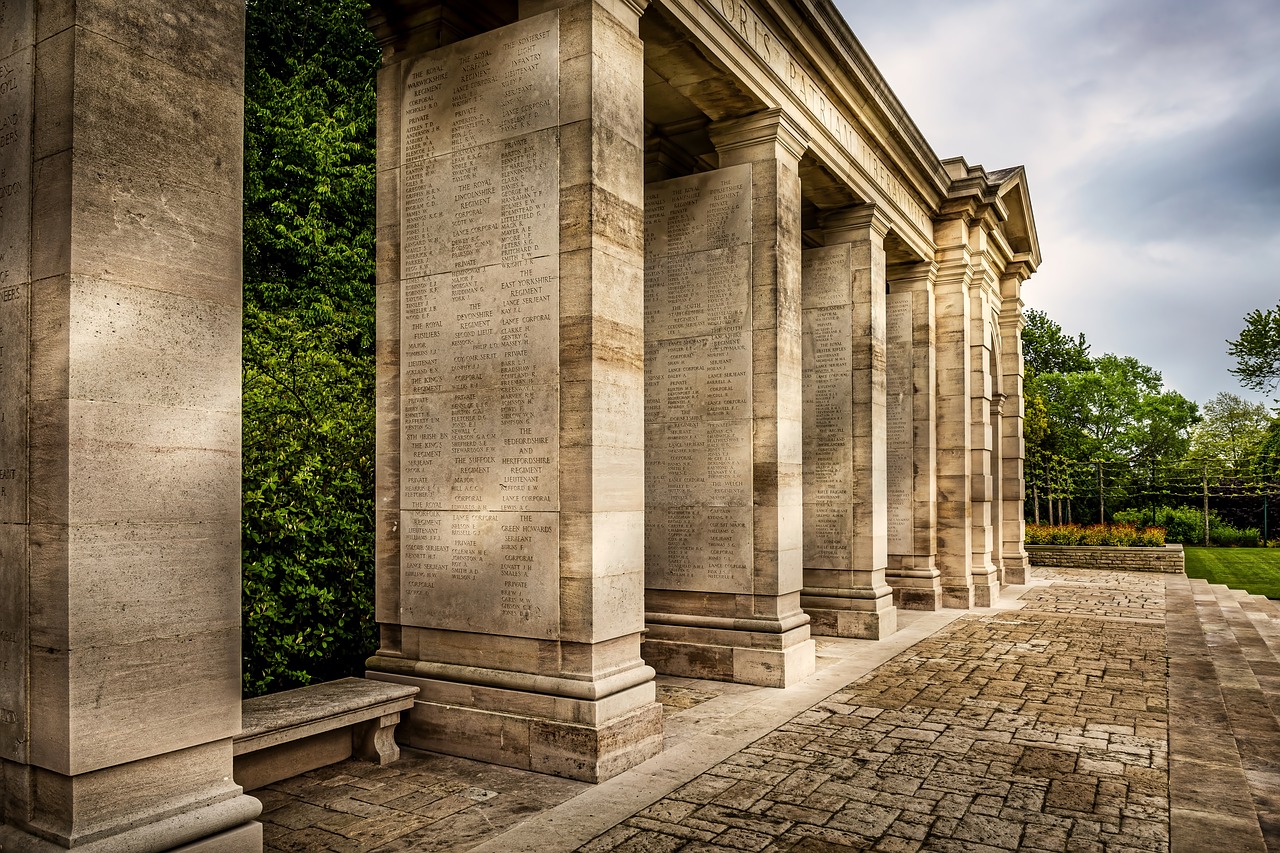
x=1040, y=725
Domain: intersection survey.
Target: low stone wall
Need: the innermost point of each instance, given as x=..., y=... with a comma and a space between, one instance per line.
x=1166, y=559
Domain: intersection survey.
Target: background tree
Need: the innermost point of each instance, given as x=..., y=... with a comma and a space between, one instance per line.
x=1108, y=424
x=1046, y=348
x=1231, y=432
x=308, y=341
x=1257, y=351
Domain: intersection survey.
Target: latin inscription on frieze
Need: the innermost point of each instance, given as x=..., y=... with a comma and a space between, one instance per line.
x=698, y=401
x=828, y=406
x=479, y=333
x=899, y=423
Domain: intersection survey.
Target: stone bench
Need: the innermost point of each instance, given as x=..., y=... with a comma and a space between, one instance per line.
x=288, y=733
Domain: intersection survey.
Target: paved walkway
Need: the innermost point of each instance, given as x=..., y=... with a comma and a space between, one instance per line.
x=1038, y=725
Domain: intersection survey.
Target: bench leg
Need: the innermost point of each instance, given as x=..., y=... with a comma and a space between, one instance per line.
x=375, y=740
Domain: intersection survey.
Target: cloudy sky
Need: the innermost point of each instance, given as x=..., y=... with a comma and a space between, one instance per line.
x=1150, y=130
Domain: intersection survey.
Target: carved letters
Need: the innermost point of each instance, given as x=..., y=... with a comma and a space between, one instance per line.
x=698, y=402
x=479, y=334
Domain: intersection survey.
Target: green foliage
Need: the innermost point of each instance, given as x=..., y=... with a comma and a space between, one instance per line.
x=1117, y=410
x=1185, y=525
x=1046, y=348
x=1121, y=535
x=308, y=342
x=1266, y=459
x=1255, y=569
x=1114, y=415
x=1232, y=431
x=1257, y=350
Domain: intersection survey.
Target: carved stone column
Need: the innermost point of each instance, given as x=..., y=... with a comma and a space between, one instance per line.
x=953, y=312
x=984, y=437
x=912, y=460
x=120, y=336
x=746, y=624
x=845, y=506
x=510, y=298
x=1014, y=552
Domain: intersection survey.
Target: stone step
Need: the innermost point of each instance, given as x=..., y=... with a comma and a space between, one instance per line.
x=1249, y=717
x=1267, y=605
x=1266, y=618
x=1209, y=795
x=1260, y=655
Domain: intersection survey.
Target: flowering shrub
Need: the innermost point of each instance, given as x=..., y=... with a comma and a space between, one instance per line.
x=1124, y=535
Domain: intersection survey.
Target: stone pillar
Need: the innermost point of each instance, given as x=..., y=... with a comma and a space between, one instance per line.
x=511, y=454
x=984, y=382
x=845, y=501
x=1013, y=452
x=120, y=330
x=953, y=313
x=911, y=467
x=736, y=616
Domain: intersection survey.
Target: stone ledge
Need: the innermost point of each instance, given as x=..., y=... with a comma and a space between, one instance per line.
x=294, y=731
x=1168, y=558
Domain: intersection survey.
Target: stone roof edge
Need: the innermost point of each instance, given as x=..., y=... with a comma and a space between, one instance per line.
x=826, y=19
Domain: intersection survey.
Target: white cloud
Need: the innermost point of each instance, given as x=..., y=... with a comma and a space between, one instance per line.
x=1149, y=130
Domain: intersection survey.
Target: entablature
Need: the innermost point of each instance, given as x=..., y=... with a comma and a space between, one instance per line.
x=841, y=108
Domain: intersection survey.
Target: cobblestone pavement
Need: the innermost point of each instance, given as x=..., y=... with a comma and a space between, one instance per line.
x=1039, y=729
x=423, y=802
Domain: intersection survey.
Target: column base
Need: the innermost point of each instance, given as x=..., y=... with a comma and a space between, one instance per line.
x=171, y=835
x=958, y=597
x=744, y=657
x=864, y=614
x=854, y=624
x=242, y=839
x=915, y=589
x=1016, y=567
x=986, y=587
x=589, y=739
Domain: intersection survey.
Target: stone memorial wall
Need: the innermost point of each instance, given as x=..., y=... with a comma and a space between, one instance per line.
x=828, y=407
x=15, y=294
x=698, y=415
x=479, y=392
x=900, y=423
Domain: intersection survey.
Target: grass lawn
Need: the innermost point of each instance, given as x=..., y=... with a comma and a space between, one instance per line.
x=1254, y=569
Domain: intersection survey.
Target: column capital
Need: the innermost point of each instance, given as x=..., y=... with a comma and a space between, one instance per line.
x=860, y=222
x=637, y=6
x=1020, y=268
x=759, y=136
x=921, y=276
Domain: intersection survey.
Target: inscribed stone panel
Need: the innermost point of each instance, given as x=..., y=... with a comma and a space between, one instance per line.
x=899, y=423
x=827, y=324
x=483, y=572
x=15, y=288
x=480, y=334
x=698, y=399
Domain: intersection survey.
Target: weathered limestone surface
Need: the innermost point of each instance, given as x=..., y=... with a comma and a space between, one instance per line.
x=985, y=412
x=510, y=485
x=954, y=378
x=583, y=425
x=1013, y=553
x=749, y=627
x=846, y=506
x=911, y=446
x=120, y=305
